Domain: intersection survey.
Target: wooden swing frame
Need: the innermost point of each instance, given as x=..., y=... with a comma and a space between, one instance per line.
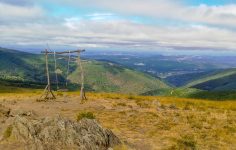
x=48, y=93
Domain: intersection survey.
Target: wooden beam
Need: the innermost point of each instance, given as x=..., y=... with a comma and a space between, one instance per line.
x=82, y=92
x=64, y=52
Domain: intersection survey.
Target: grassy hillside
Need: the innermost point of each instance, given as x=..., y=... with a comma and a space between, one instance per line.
x=218, y=81
x=184, y=79
x=218, y=85
x=25, y=70
x=109, y=77
x=19, y=66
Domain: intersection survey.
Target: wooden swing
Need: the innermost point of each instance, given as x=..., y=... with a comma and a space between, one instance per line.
x=67, y=72
x=48, y=93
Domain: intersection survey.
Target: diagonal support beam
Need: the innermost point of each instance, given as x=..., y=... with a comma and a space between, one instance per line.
x=47, y=94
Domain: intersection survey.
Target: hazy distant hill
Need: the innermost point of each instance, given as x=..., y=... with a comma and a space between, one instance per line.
x=28, y=70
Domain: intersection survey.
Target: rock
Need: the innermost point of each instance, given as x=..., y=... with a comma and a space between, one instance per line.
x=4, y=111
x=156, y=103
x=58, y=133
x=173, y=106
x=21, y=112
x=161, y=107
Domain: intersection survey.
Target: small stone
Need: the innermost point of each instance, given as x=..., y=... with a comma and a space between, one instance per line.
x=173, y=106
x=156, y=103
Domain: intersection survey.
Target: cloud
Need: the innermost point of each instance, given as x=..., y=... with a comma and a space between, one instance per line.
x=119, y=34
x=17, y=2
x=216, y=15
x=112, y=28
x=13, y=14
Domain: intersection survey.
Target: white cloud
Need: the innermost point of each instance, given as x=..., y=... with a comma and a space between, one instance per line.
x=30, y=26
x=119, y=34
x=218, y=15
x=10, y=13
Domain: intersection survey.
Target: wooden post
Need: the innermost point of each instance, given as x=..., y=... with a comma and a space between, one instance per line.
x=47, y=94
x=82, y=92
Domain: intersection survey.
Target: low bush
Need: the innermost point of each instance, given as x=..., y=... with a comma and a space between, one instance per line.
x=88, y=115
x=121, y=104
x=7, y=132
x=187, y=142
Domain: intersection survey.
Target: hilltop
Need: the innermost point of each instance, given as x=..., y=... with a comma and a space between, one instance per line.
x=140, y=122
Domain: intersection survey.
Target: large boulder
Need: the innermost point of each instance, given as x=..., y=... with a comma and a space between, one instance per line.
x=58, y=133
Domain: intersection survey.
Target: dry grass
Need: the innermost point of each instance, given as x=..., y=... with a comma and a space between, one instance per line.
x=146, y=122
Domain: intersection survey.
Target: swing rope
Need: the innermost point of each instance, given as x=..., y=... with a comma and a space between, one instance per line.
x=55, y=67
x=68, y=69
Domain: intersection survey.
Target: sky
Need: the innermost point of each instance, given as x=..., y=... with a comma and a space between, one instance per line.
x=125, y=25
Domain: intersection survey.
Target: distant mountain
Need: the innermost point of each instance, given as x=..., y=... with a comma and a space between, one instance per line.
x=20, y=69
x=216, y=81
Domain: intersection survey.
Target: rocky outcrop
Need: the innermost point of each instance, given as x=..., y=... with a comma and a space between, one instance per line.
x=58, y=133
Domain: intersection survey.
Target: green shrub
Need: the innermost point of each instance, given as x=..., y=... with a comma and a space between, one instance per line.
x=187, y=142
x=88, y=115
x=131, y=97
x=188, y=106
x=121, y=104
x=7, y=132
